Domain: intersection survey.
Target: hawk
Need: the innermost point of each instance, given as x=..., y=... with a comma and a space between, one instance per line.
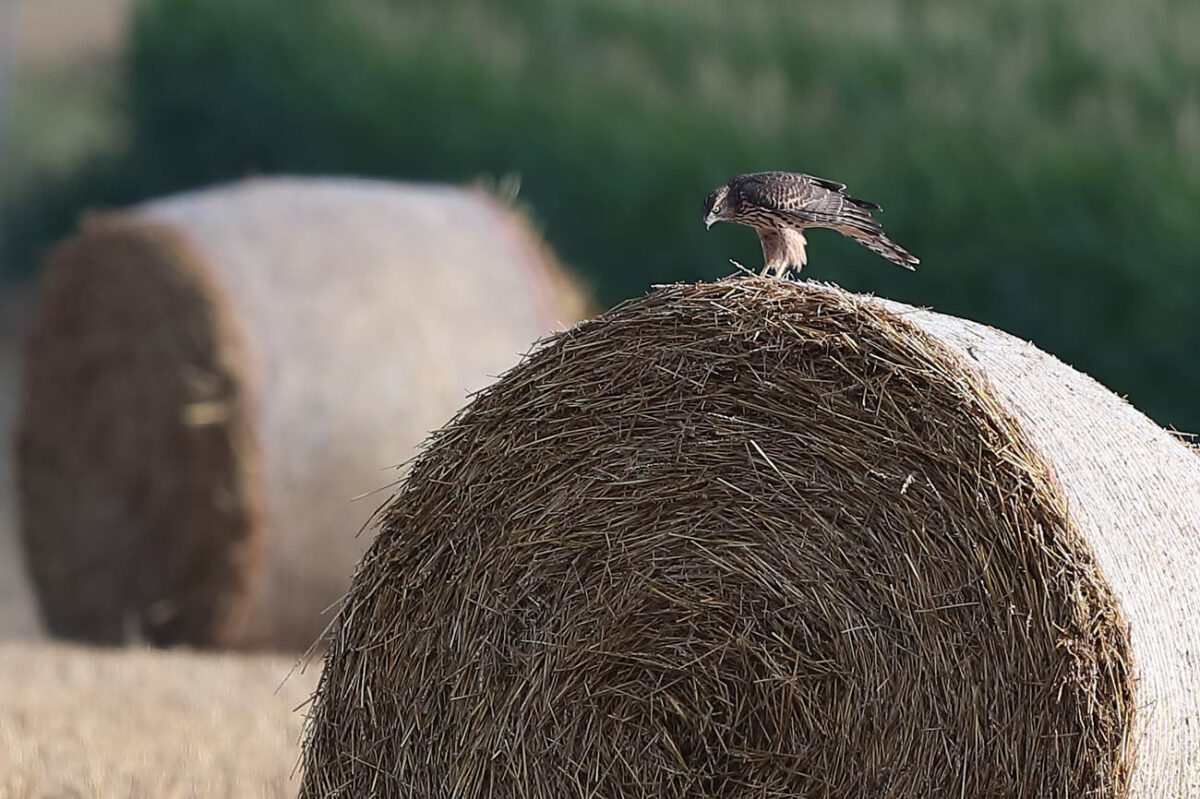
x=780, y=205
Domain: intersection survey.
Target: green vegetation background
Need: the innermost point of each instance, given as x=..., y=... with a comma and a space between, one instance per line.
x=1043, y=158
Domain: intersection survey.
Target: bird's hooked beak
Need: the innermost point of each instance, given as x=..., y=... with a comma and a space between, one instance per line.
x=708, y=221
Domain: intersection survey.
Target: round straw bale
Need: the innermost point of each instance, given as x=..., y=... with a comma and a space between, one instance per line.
x=211, y=379
x=760, y=538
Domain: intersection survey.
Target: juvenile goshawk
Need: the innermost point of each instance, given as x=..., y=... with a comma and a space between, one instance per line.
x=779, y=205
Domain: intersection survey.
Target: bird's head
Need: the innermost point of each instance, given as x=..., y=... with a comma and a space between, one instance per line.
x=716, y=206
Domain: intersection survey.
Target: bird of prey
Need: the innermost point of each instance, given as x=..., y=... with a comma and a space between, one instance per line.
x=780, y=205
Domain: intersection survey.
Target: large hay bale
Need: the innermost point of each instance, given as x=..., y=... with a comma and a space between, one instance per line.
x=78, y=722
x=211, y=379
x=759, y=538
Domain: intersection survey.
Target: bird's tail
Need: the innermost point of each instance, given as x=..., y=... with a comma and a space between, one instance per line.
x=877, y=242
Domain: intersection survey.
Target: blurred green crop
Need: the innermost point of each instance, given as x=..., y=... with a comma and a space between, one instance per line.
x=1042, y=158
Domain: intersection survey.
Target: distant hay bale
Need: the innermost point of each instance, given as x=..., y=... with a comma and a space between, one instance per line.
x=758, y=538
x=18, y=616
x=211, y=379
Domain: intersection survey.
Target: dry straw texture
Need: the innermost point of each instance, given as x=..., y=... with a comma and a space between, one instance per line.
x=212, y=379
x=759, y=538
x=137, y=724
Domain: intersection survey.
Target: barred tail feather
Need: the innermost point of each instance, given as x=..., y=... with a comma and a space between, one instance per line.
x=880, y=244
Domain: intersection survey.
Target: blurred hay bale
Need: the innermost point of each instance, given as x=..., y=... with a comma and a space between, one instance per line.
x=212, y=378
x=132, y=509
x=758, y=538
x=139, y=723
x=18, y=616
